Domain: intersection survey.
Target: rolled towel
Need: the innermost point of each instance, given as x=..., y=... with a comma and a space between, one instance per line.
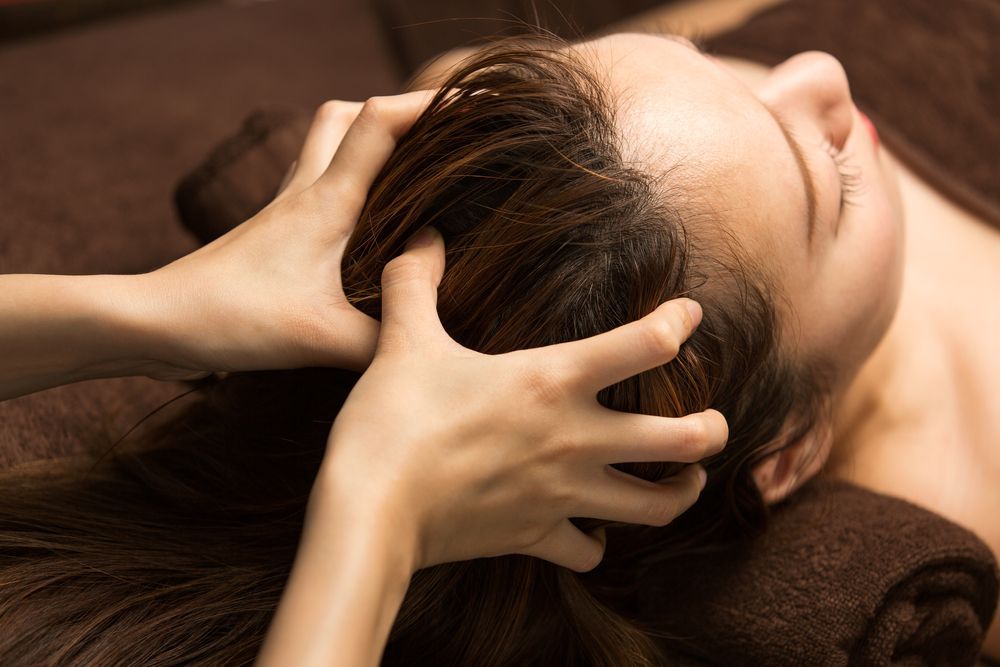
x=242, y=173
x=843, y=576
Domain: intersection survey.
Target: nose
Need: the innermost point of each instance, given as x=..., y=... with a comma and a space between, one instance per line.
x=812, y=86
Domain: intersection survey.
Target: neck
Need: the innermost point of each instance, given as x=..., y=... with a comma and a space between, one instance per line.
x=880, y=399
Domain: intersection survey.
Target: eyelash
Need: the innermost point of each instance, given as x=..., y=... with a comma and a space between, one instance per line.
x=850, y=178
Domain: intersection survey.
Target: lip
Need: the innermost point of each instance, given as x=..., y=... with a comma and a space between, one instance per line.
x=871, y=128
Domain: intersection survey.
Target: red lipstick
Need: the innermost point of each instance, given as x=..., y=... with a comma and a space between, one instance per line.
x=871, y=128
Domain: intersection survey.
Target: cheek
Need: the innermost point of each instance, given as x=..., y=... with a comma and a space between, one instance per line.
x=869, y=270
x=849, y=307
x=878, y=249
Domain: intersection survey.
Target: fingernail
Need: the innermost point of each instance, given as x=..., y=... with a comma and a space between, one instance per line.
x=423, y=238
x=694, y=309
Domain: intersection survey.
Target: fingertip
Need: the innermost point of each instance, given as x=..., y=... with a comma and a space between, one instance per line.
x=718, y=428
x=596, y=555
x=429, y=240
x=694, y=310
x=702, y=476
x=423, y=238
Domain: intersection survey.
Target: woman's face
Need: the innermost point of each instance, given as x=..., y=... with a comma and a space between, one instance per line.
x=841, y=273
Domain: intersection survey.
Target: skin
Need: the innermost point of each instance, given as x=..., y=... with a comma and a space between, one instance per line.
x=717, y=116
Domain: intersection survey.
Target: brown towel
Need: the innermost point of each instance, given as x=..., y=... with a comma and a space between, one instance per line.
x=242, y=174
x=844, y=576
x=926, y=72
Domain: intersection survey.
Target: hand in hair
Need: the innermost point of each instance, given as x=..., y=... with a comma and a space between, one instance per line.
x=484, y=455
x=268, y=294
x=441, y=454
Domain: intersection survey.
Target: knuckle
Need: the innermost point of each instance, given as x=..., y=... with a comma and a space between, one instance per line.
x=562, y=498
x=403, y=268
x=332, y=110
x=569, y=374
x=660, y=338
x=531, y=537
x=695, y=438
x=661, y=510
x=373, y=109
x=560, y=448
x=589, y=561
x=702, y=435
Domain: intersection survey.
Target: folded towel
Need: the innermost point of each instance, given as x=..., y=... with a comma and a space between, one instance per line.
x=242, y=173
x=844, y=576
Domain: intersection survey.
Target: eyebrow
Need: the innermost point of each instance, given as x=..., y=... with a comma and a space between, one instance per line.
x=807, y=181
x=793, y=145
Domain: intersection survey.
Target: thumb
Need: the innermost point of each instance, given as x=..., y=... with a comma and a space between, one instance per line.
x=409, y=288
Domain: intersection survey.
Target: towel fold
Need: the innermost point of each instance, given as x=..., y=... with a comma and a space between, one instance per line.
x=844, y=576
x=241, y=174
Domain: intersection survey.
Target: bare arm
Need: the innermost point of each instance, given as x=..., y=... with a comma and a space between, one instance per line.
x=346, y=587
x=56, y=330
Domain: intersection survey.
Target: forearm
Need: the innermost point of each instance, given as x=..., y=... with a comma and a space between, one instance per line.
x=56, y=330
x=348, y=582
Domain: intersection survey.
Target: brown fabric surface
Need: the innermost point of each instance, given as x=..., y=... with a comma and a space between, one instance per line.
x=925, y=72
x=98, y=122
x=844, y=576
x=21, y=18
x=418, y=31
x=242, y=174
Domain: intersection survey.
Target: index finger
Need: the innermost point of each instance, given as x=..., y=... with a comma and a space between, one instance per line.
x=370, y=140
x=608, y=358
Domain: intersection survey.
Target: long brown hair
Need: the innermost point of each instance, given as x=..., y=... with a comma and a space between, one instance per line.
x=174, y=550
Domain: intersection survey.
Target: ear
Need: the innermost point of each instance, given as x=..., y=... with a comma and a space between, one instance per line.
x=782, y=472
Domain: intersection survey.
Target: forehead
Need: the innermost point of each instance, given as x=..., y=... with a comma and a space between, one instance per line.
x=682, y=117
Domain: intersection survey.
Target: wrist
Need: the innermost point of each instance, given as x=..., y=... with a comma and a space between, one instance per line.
x=57, y=329
x=132, y=328
x=382, y=516
x=348, y=582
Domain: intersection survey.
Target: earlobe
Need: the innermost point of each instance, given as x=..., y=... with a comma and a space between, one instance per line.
x=782, y=472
